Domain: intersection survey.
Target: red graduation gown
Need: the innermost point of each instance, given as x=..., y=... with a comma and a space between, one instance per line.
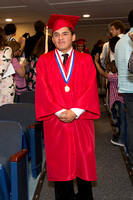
x=69, y=147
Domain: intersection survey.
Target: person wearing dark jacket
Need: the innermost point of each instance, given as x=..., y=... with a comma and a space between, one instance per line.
x=31, y=42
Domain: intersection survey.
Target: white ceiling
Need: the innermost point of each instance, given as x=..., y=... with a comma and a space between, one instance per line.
x=102, y=11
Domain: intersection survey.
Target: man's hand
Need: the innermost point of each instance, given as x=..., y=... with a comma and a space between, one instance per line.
x=67, y=116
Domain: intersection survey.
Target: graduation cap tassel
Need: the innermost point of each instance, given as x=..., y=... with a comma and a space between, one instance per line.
x=46, y=40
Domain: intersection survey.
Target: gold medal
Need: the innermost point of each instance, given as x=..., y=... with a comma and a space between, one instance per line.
x=67, y=88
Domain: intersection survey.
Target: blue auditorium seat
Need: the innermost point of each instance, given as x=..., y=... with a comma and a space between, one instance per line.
x=13, y=163
x=32, y=131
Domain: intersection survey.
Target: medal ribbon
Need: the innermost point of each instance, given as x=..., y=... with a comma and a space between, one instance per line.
x=61, y=67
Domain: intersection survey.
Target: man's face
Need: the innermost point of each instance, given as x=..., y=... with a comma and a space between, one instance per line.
x=80, y=47
x=114, y=32
x=62, y=38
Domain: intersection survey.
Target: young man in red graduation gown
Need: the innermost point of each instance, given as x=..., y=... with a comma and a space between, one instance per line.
x=67, y=102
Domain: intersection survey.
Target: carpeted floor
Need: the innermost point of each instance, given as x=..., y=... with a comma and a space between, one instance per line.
x=113, y=179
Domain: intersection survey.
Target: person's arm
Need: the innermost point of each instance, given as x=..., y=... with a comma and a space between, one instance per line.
x=21, y=40
x=19, y=68
x=101, y=71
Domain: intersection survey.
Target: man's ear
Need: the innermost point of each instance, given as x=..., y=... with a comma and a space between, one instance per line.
x=52, y=40
x=119, y=31
x=73, y=37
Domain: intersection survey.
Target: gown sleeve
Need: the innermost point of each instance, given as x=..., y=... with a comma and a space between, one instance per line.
x=43, y=94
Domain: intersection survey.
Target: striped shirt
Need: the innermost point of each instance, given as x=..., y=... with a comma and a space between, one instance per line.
x=10, y=38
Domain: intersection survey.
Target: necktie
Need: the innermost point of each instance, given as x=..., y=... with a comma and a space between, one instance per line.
x=65, y=58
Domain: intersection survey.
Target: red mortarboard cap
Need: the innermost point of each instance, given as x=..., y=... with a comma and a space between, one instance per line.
x=80, y=41
x=59, y=21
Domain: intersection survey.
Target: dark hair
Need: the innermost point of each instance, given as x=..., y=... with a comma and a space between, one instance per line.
x=71, y=30
x=130, y=18
x=39, y=47
x=113, y=68
x=39, y=26
x=112, y=42
x=3, y=41
x=10, y=29
x=100, y=42
x=118, y=25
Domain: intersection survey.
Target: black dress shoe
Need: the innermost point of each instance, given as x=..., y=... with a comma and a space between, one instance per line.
x=76, y=196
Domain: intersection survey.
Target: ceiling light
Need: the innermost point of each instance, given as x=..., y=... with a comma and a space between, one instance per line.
x=86, y=15
x=8, y=20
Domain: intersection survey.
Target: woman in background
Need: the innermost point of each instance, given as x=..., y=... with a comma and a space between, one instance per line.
x=38, y=50
x=19, y=65
x=7, y=85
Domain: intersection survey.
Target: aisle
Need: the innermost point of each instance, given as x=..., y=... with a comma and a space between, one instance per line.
x=113, y=180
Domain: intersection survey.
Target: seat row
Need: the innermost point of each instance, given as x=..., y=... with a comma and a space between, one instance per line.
x=20, y=142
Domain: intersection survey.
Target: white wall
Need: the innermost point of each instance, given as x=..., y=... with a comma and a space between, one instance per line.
x=25, y=28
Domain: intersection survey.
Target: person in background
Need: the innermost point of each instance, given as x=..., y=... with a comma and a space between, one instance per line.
x=22, y=41
x=97, y=48
x=7, y=85
x=10, y=31
x=81, y=46
x=117, y=28
x=67, y=103
x=19, y=67
x=31, y=42
x=105, y=51
x=114, y=97
x=123, y=50
x=35, y=54
x=39, y=27
x=38, y=50
x=86, y=50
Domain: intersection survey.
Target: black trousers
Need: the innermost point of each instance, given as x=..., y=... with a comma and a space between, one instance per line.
x=64, y=190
